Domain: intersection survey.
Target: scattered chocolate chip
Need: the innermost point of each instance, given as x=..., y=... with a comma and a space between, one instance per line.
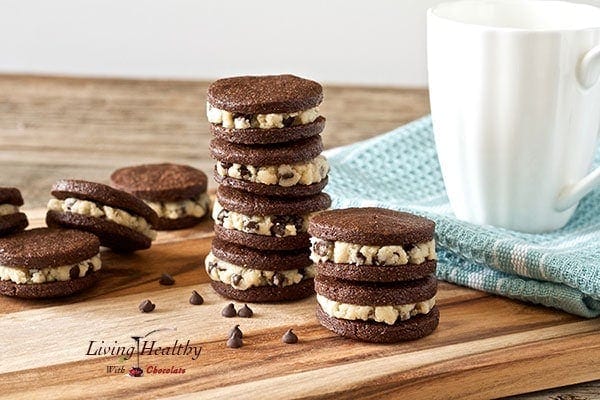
x=252, y=225
x=375, y=260
x=196, y=299
x=321, y=248
x=234, y=342
x=298, y=223
x=301, y=272
x=74, y=272
x=212, y=265
x=289, y=337
x=229, y=311
x=245, y=312
x=245, y=172
x=222, y=215
x=278, y=279
x=166, y=280
x=146, y=306
x=235, y=331
x=236, y=279
x=226, y=165
x=287, y=175
x=360, y=258
x=408, y=247
x=288, y=121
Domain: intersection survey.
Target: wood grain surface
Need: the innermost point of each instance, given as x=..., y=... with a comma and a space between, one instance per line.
x=53, y=128
x=485, y=346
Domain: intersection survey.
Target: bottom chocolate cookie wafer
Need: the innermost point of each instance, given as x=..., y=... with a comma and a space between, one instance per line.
x=369, y=331
x=49, y=289
x=265, y=294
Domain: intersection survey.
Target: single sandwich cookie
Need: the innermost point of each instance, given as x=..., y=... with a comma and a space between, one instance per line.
x=121, y=221
x=264, y=109
x=48, y=262
x=11, y=219
x=266, y=223
x=377, y=312
x=290, y=169
x=177, y=193
x=258, y=275
x=372, y=244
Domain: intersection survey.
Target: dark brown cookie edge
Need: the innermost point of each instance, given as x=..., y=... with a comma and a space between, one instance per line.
x=49, y=289
x=117, y=237
x=266, y=294
x=369, y=331
x=262, y=242
x=376, y=273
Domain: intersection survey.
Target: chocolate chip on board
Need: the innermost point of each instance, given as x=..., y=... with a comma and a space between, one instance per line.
x=166, y=280
x=229, y=311
x=289, y=337
x=196, y=299
x=245, y=312
x=234, y=342
x=147, y=306
x=235, y=331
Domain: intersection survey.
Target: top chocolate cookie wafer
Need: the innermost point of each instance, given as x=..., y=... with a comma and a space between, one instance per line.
x=47, y=247
x=371, y=226
x=264, y=94
x=103, y=194
x=161, y=182
x=10, y=195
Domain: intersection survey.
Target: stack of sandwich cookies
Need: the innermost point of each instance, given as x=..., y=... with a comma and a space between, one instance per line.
x=266, y=132
x=271, y=173
x=120, y=220
x=375, y=274
x=177, y=193
x=11, y=219
x=47, y=262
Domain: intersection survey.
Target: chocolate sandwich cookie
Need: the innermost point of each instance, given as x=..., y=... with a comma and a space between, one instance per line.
x=48, y=262
x=177, y=193
x=377, y=312
x=121, y=221
x=252, y=275
x=374, y=277
x=266, y=223
x=11, y=219
x=264, y=109
x=290, y=169
x=372, y=244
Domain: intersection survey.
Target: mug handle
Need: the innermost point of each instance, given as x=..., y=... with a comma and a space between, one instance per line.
x=588, y=74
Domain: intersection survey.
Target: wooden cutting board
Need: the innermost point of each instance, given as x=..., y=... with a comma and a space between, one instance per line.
x=485, y=346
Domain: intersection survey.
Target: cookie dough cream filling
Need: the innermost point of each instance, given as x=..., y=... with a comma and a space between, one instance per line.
x=242, y=278
x=91, y=209
x=352, y=253
x=286, y=175
x=267, y=225
x=387, y=314
x=263, y=121
x=196, y=207
x=29, y=276
x=8, y=209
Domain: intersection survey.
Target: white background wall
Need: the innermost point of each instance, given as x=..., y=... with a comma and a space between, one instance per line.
x=373, y=42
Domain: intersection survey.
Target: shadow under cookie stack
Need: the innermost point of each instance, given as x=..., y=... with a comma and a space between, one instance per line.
x=271, y=174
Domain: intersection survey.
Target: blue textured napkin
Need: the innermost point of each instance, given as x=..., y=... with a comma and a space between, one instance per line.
x=400, y=170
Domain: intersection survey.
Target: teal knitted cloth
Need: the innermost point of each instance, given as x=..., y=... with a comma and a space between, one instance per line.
x=400, y=170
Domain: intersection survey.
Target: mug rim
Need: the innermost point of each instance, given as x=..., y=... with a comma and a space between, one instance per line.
x=434, y=12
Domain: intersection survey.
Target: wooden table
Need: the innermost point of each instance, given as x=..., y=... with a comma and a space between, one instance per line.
x=53, y=128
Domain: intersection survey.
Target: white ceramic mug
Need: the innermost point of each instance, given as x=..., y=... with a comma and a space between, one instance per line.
x=515, y=103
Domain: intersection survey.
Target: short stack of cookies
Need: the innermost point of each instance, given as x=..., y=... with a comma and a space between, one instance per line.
x=375, y=277
x=271, y=173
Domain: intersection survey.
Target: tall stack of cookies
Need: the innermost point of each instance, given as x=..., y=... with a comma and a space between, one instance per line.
x=271, y=174
x=375, y=274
